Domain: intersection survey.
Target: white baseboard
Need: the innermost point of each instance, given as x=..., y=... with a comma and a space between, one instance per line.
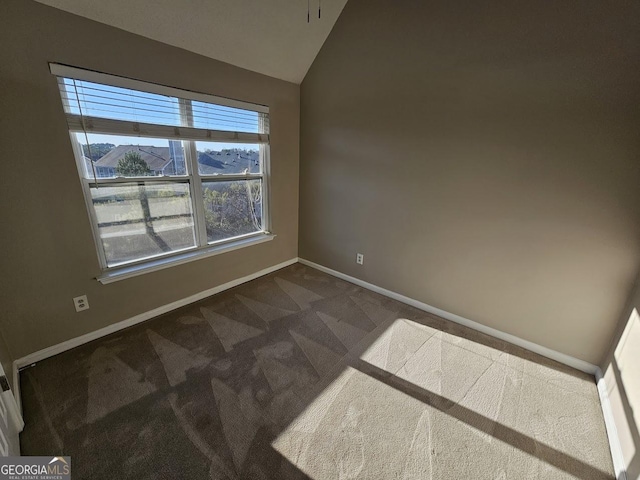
x=142, y=317
x=619, y=466
x=534, y=347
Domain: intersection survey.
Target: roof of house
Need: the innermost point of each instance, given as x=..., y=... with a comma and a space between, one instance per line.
x=155, y=157
x=228, y=161
x=210, y=163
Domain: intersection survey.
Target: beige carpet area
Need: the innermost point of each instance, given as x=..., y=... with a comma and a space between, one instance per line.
x=300, y=375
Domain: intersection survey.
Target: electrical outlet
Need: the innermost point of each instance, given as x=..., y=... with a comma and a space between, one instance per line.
x=359, y=259
x=81, y=303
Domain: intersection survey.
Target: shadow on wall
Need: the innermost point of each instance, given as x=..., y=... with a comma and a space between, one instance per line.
x=622, y=376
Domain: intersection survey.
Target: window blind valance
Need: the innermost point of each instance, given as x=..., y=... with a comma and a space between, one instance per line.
x=81, y=123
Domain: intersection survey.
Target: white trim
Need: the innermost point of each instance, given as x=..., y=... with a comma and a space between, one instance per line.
x=197, y=196
x=14, y=410
x=12, y=403
x=507, y=337
x=147, y=266
x=86, y=193
x=142, y=317
x=108, y=126
x=16, y=389
x=215, y=177
x=223, y=177
x=619, y=466
x=265, y=168
x=135, y=180
x=117, y=81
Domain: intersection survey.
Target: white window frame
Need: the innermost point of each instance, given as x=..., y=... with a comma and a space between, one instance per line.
x=188, y=135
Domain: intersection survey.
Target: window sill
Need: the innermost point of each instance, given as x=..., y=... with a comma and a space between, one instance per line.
x=120, y=273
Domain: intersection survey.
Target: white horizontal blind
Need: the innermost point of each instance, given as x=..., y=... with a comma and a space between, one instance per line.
x=116, y=103
x=106, y=108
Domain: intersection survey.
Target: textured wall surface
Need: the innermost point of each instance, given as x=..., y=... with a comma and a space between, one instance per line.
x=484, y=157
x=48, y=253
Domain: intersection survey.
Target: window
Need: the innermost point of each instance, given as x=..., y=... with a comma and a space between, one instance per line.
x=165, y=171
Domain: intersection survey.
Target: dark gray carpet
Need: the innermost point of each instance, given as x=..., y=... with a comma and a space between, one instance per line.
x=302, y=375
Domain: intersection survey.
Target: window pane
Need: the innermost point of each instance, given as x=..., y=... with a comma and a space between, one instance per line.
x=105, y=101
x=219, y=117
x=139, y=221
x=232, y=208
x=122, y=156
x=228, y=158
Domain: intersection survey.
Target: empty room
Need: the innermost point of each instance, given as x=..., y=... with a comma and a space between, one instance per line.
x=323, y=239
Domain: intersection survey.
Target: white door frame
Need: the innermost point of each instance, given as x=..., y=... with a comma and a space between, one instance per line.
x=11, y=422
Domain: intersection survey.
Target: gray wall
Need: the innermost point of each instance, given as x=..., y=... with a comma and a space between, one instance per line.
x=484, y=157
x=48, y=253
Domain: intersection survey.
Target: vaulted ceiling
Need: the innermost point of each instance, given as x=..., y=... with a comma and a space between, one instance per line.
x=266, y=36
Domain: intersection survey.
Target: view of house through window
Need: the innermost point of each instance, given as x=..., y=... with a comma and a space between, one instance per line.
x=165, y=174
